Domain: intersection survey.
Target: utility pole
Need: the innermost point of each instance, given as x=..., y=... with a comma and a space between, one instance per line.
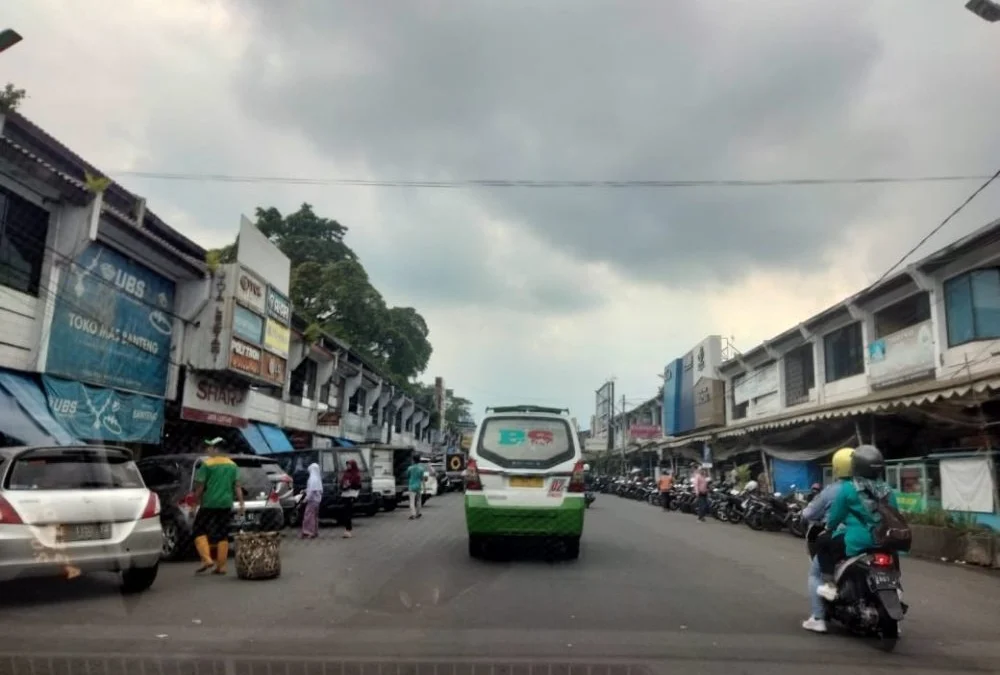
x=624, y=428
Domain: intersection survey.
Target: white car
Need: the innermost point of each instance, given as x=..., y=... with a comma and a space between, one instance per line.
x=525, y=478
x=71, y=509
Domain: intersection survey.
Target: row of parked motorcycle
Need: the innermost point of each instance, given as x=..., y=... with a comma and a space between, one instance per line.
x=748, y=505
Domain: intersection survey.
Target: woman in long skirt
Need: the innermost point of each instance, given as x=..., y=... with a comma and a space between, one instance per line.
x=314, y=495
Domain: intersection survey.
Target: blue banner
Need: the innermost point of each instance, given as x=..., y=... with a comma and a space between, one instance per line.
x=101, y=414
x=112, y=323
x=247, y=325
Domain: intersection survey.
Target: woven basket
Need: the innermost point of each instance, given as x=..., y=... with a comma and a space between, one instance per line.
x=258, y=555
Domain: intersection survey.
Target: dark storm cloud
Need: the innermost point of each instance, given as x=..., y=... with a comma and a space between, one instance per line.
x=596, y=90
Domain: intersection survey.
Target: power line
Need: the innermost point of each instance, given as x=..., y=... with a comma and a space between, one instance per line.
x=940, y=225
x=540, y=184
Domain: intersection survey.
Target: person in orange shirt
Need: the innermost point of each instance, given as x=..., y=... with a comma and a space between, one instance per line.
x=666, y=485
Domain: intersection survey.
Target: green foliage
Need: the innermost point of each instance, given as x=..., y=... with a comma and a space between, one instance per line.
x=331, y=289
x=11, y=97
x=742, y=475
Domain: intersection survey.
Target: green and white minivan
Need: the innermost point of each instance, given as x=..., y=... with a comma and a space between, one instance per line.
x=525, y=478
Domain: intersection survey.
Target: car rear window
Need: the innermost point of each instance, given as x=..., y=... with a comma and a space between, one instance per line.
x=526, y=442
x=345, y=456
x=93, y=468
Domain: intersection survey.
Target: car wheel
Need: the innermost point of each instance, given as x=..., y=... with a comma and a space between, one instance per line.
x=373, y=509
x=173, y=547
x=389, y=505
x=138, y=579
x=572, y=546
x=477, y=544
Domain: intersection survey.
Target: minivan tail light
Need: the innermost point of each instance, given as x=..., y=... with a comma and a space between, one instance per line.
x=8, y=516
x=576, y=483
x=273, y=497
x=189, y=501
x=472, y=481
x=152, y=509
x=882, y=560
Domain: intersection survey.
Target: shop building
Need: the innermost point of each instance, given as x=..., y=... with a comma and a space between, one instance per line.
x=911, y=363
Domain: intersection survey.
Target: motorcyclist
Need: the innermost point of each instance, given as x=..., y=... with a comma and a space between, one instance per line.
x=815, y=512
x=853, y=508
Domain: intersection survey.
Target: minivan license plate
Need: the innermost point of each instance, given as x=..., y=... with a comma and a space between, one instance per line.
x=85, y=532
x=527, y=481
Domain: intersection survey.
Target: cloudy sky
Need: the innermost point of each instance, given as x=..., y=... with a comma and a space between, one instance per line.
x=538, y=295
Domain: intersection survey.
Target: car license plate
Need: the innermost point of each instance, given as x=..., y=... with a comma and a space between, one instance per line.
x=85, y=532
x=241, y=520
x=527, y=481
x=885, y=581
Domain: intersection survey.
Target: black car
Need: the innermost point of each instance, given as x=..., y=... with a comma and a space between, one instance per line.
x=332, y=463
x=171, y=477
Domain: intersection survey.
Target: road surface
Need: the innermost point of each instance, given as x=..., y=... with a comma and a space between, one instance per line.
x=651, y=592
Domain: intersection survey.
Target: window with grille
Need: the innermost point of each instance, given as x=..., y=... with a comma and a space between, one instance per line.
x=24, y=228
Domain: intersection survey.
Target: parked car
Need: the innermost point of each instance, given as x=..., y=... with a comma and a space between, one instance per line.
x=282, y=484
x=172, y=478
x=379, y=459
x=443, y=481
x=84, y=506
x=332, y=462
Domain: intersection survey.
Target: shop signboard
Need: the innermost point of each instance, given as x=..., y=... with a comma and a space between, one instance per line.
x=247, y=325
x=273, y=368
x=903, y=356
x=213, y=401
x=250, y=291
x=277, y=337
x=644, y=431
x=278, y=306
x=709, y=403
x=244, y=357
x=103, y=414
x=112, y=323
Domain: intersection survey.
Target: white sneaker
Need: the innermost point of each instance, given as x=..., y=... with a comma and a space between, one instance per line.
x=827, y=591
x=815, y=625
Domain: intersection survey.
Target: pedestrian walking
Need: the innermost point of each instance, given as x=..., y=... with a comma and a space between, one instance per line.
x=416, y=475
x=666, y=485
x=700, y=483
x=350, y=488
x=314, y=496
x=216, y=487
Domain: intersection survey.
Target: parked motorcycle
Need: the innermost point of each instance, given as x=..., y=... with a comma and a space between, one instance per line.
x=869, y=593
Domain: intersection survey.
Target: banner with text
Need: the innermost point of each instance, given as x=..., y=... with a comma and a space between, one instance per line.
x=102, y=414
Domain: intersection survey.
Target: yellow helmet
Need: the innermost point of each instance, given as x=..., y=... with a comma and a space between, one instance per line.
x=842, y=463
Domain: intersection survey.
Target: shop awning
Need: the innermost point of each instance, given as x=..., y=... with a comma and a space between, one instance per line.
x=344, y=442
x=24, y=413
x=255, y=438
x=275, y=437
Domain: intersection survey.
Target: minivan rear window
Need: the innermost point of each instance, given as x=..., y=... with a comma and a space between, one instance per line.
x=526, y=442
x=93, y=468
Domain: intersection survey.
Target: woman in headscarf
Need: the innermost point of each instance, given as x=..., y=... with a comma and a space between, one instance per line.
x=314, y=495
x=350, y=487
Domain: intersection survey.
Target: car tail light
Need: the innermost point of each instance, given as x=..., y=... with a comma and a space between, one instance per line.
x=152, y=509
x=576, y=483
x=286, y=479
x=472, y=481
x=189, y=501
x=8, y=516
x=273, y=497
x=882, y=560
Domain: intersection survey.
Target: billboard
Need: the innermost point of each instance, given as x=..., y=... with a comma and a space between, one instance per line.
x=701, y=362
x=605, y=397
x=672, y=397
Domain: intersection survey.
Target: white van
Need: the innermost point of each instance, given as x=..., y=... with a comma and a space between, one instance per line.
x=525, y=478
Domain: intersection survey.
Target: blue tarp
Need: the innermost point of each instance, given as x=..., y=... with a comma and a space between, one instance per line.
x=799, y=474
x=256, y=439
x=25, y=405
x=344, y=443
x=275, y=437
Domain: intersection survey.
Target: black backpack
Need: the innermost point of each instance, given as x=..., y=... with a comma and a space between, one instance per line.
x=891, y=532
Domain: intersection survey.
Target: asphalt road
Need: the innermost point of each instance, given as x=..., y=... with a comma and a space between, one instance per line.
x=651, y=592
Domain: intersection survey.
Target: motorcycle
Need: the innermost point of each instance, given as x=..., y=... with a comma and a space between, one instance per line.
x=869, y=593
x=589, y=497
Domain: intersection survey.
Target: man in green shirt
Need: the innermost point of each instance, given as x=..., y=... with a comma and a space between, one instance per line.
x=216, y=484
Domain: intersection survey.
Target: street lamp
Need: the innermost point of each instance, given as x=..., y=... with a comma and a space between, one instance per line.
x=8, y=38
x=987, y=10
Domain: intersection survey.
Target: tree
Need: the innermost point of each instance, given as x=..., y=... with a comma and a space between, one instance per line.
x=330, y=287
x=11, y=97
x=458, y=412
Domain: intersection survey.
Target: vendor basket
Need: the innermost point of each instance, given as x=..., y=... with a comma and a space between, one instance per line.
x=258, y=555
